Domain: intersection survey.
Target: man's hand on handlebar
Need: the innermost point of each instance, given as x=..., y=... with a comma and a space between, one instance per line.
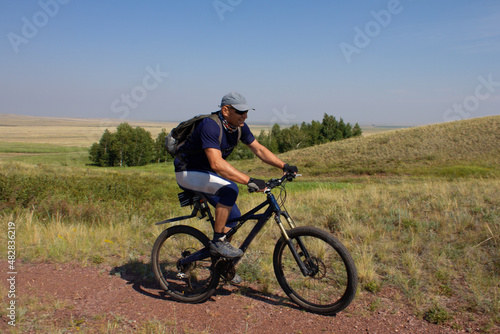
x=289, y=173
x=290, y=169
x=256, y=185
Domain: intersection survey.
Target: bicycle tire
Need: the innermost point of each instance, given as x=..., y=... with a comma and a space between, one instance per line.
x=333, y=285
x=194, y=283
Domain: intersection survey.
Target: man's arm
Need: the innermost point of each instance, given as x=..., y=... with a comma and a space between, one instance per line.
x=265, y=155
x=224, y=168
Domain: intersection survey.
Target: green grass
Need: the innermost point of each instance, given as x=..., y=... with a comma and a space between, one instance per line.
x=33, y=148
x=43, y=154
x=85, y=195
x=464, y=171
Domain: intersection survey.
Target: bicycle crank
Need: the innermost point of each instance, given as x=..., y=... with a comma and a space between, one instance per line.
x=226, y=268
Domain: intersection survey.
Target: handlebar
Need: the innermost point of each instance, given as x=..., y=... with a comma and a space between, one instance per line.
x=273, y=183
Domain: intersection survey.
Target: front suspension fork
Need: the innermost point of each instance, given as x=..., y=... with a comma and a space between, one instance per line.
x=305, y=271
x=288, y=219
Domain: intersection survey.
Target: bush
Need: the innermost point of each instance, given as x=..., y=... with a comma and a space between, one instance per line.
x=126, y=147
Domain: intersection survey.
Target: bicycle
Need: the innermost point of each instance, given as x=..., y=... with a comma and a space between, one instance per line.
x=312, y=266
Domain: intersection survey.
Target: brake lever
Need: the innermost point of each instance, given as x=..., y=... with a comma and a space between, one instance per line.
x=290, y=176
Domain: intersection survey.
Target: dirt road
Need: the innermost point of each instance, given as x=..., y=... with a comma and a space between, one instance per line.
x=75, y=299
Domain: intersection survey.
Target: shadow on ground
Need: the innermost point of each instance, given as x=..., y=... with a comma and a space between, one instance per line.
x=141, y=277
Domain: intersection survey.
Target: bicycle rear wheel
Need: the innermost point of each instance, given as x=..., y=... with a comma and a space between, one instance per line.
x=192, y=283
x=331, y=285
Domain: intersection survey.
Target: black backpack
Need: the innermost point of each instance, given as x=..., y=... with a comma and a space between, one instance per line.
x=182, y=132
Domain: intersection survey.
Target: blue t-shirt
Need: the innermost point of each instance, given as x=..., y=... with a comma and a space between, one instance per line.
x=206, y=135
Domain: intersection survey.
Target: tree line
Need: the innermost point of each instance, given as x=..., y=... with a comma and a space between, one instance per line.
x=307, y=134
x=130, y=146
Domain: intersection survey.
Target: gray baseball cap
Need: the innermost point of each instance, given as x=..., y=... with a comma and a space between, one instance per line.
x=236, y=100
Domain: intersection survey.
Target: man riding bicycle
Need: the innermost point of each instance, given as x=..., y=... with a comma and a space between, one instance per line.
x=202, y=166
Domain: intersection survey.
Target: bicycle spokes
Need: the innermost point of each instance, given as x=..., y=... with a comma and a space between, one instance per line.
x=180, y=265
x=315, y=271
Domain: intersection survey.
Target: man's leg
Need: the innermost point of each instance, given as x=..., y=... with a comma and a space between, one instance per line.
x=221, y=215
x=220, y=245
x=234, y=212
x=227, y=191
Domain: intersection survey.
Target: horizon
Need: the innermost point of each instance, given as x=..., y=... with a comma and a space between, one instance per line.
x=385, y=62
x=251, y=123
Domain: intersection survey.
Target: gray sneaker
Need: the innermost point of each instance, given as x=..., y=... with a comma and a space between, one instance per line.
x=225, y=249
x=236, y=280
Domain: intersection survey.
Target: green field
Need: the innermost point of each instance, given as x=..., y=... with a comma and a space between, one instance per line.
x=418, y=208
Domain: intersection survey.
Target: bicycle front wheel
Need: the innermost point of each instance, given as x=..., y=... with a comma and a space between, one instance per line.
x=194, y=282
x=332, y=280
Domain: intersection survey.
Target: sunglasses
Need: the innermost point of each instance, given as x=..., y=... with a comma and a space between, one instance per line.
x=239, y=112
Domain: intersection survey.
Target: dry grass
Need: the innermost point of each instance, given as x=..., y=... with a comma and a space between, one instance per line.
x=72, y=131
x=65, y=131
x=462, y=147
x=437, y=241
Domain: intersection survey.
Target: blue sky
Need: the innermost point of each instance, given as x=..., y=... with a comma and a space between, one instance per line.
x=371, y=62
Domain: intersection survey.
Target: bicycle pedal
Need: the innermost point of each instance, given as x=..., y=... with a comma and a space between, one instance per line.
x=182, y=276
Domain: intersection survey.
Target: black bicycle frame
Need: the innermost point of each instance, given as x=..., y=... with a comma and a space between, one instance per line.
x=261, y=218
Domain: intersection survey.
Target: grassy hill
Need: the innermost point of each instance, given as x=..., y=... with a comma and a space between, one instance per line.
x=462, y=148
x=456, y=149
